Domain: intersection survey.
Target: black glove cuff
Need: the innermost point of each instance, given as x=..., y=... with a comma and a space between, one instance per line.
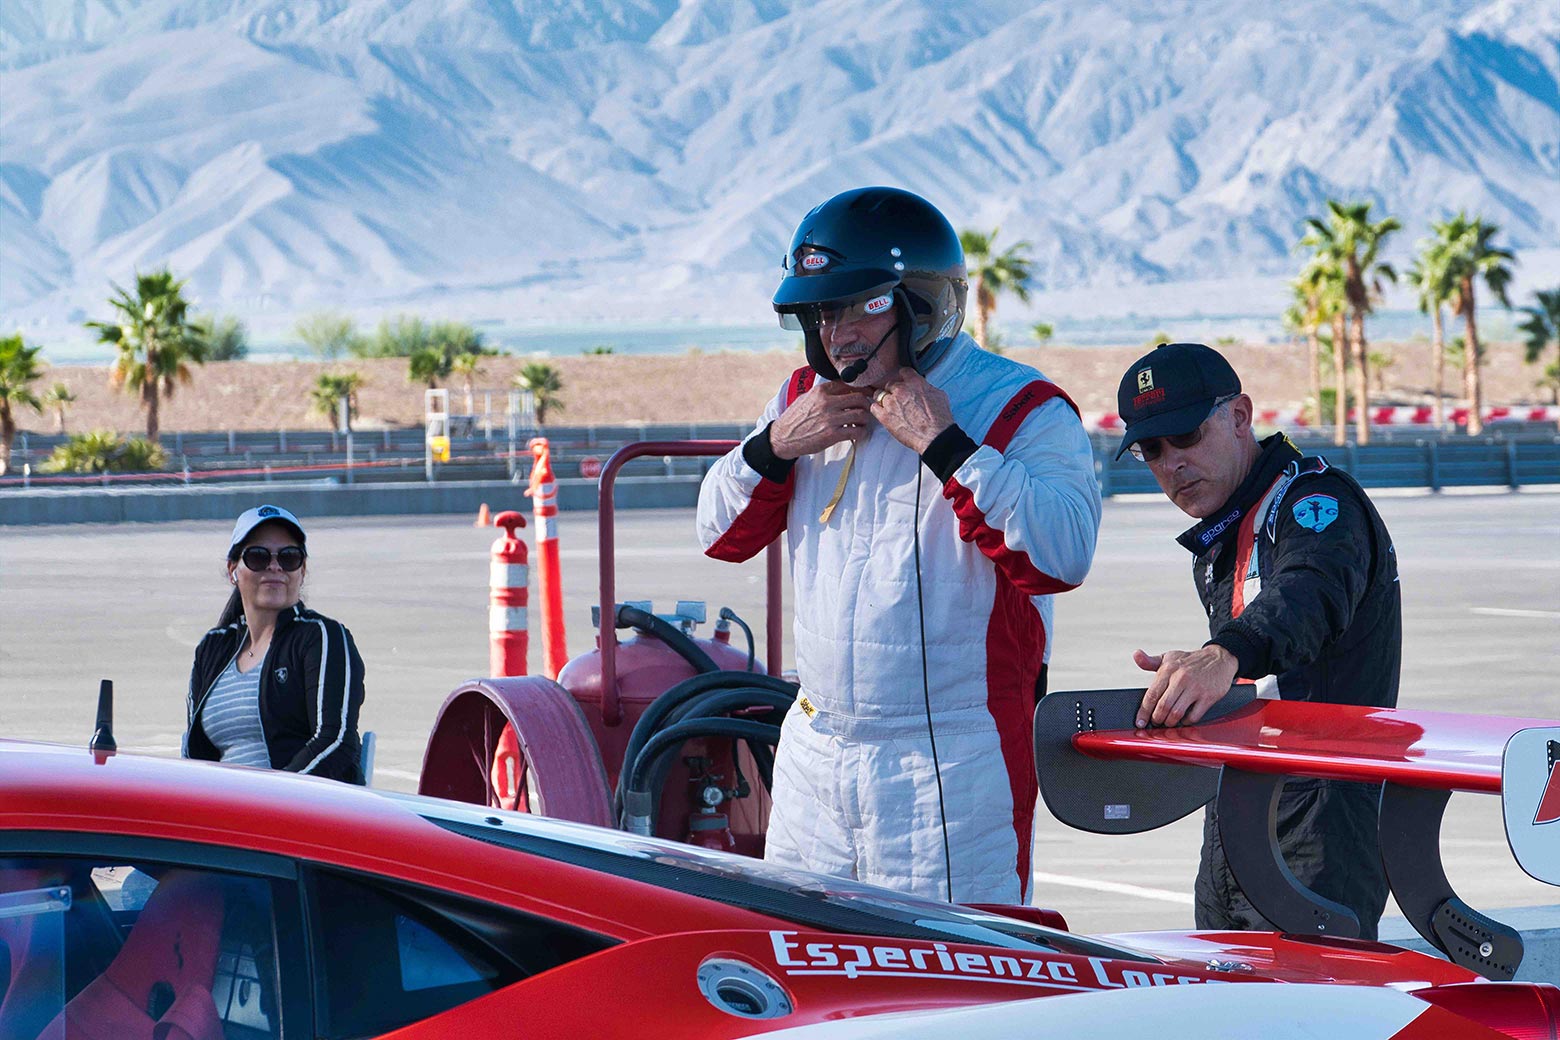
x=948, y=451
x=759, y=453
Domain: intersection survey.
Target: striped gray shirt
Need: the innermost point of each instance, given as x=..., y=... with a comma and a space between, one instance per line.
x=231, y=717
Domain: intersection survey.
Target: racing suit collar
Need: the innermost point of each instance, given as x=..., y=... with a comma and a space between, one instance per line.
x=942, y=367
x=1277, y=452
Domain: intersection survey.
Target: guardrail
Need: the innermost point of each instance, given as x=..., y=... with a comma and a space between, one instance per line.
x=398, y=485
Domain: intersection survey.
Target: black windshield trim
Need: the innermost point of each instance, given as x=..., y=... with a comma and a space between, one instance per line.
x=810, y=913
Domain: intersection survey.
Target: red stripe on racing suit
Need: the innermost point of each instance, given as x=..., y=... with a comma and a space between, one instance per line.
x=1015, y=637
x=765, y=516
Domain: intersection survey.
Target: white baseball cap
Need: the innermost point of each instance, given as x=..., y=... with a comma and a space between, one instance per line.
x=250, y=519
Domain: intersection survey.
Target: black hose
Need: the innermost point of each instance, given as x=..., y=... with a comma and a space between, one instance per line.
x=725, y=701
x=661, y=769
x=728, y=614
x=715, y=703
x=764, y=759
x=638, y=802
x=693, y=686
x=668, y=633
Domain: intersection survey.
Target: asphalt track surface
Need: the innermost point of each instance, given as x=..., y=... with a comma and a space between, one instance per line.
x=1481, y=586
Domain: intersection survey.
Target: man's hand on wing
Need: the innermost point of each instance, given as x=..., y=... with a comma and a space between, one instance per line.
x=827, y=414
x=1186, y=684
x=912, y=409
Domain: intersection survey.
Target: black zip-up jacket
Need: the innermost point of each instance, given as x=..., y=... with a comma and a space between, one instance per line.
x=311, y=689
x=1318, y=581
x=1299, y=579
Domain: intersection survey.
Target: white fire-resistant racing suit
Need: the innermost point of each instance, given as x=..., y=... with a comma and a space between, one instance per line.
x=1008, y=513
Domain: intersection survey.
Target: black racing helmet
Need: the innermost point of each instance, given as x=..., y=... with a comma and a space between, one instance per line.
x=868, y=243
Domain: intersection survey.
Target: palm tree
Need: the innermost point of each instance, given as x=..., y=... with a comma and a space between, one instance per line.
x=1318, y=301
x=1432, y=280
x=1042, y=331
x=468, y=367
x=427, y=365
x=545, y=385
x=993, y=274
x=155, y=340
x=1542, y=328
x=19, y=368
x=1472, y=254
x=330, y=389
x=1352, y=241
x=57, y=398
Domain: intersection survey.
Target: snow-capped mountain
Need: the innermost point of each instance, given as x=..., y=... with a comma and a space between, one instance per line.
x=564, y=159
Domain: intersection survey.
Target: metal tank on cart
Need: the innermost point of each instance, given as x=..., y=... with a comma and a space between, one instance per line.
x=659, y=732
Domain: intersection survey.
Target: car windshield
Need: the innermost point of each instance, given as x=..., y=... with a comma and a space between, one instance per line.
x=814, y=901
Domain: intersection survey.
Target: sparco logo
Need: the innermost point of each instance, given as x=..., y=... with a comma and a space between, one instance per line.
x=936, y=961
x=879, y=304
x=1219, y=528
x=814, y=262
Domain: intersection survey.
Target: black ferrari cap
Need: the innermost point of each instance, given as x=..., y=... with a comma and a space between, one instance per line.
x=1171, y=390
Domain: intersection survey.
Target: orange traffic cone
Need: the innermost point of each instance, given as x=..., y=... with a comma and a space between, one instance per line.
x=483, y=519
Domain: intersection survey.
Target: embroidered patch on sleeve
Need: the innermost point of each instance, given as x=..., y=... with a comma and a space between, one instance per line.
x=1316, y=512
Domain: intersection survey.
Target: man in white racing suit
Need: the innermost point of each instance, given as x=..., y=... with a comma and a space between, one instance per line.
x=935, y=497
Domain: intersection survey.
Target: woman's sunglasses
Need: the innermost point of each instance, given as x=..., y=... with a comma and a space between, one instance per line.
x=288, y=557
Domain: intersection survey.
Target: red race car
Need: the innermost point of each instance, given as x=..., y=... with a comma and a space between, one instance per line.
x=153, y=898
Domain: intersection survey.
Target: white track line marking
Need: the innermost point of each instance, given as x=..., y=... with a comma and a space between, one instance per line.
x=1511, y=612
x=1164, y=895
x=396, y=774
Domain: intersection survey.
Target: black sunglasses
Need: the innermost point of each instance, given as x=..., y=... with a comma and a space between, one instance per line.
x=1150, y=448
x=288, y=557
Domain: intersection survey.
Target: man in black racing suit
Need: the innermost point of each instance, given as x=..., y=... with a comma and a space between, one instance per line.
x=1299, y=579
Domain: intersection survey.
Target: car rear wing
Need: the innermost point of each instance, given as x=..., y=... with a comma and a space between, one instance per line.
x=1099, y=773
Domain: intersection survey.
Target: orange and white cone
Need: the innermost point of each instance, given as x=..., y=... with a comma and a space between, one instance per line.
x=549, y=583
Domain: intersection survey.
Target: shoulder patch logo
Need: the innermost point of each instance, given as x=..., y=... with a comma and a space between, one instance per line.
x=281, y=674
x=1145, y=380
x=1316, y=512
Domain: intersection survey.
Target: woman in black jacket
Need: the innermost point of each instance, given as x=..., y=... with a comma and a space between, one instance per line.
x=275, y=684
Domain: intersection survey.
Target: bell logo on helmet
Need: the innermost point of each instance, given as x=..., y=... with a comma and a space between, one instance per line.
x=880, y=304
x=815, y=261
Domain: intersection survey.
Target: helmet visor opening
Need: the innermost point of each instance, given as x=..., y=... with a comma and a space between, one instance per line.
x=837, y=312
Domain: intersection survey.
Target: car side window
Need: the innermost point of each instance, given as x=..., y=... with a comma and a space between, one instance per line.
x=388, y=954
x=148, y=945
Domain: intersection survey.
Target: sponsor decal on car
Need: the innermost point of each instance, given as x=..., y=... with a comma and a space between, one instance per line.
x=794, y=956
x=1530, y=800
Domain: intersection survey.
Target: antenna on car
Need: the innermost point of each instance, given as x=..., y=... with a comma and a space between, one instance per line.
x=102, y=743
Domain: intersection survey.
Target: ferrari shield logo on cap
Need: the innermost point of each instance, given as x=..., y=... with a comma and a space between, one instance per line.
x=1530, y=800
x=1145, y=380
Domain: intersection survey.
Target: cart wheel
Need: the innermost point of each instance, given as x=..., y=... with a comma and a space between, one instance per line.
x=517, y=743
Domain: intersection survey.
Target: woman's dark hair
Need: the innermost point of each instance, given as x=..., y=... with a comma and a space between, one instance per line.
x=235, y=601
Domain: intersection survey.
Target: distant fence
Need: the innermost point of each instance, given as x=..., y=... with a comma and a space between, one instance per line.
x=479, y=474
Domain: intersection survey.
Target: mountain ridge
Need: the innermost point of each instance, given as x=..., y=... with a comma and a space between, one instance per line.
x=651, y=157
